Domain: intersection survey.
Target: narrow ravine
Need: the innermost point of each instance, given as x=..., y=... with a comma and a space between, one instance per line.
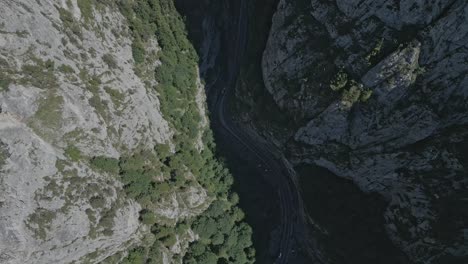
x=268, y=187
x=267, y=184
x=267, y=193
x=294, y=138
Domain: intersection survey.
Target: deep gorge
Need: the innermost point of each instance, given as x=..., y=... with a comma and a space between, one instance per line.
x=329, y=196
x=234, y=131
x=258, y=197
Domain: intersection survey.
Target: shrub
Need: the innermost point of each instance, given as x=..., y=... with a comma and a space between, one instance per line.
x=110, y=61
x=147, y=217
x=352, y=95
x=67, y=69
x=97, y=202
x=375, y=51
x=4, y=81
x=339, y=81
x=138, y=51
x=116, y=96
x=86, y=8
x=135, y=256
x=106, y=164
x=69, y=22
x=365, y=95
x=73, y=153
x=169, y=240
x=40, y=73
x=39, y=222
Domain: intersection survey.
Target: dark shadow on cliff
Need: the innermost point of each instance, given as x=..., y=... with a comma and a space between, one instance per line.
x=353, y=219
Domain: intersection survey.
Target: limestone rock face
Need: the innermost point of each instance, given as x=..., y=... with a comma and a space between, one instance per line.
x=69, y=91
x=380, y=88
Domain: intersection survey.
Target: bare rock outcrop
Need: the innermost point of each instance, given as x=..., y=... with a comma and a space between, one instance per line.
x=379, y=90
x=69, y=91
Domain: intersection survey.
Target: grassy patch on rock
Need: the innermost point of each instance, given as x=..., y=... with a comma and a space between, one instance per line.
x=39, y=73
x=47, y=120
x=40, y=222
x=86, y=8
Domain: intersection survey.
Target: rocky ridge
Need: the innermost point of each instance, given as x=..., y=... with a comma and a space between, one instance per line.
x=70, y=90
x=378, y=90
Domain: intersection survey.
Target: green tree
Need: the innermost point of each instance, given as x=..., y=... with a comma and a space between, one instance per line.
x=208, y=258
x=135, y=256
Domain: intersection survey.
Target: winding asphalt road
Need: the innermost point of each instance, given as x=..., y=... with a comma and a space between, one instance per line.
x=293, y=232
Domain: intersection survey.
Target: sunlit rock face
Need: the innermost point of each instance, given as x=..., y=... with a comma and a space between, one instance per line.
x=69, y=91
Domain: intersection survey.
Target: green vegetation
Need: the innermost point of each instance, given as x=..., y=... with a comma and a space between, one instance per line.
x=5, y=71
x=86, y=8
x=340, y=81
x=110, y=61
x=39, y=73
x=375, y=51
x=76, y=189
x=177, y=75
x=109, y=165
x=355, y=92
x=4, y=154
x=73, y=153
x=117, y=97
x=93, y=83
x=40, y=222
x=351, y=91
x=138, y=51
x=70, y=23
x=106, y=223
x=223, y=236
x=21, y=34
x=4, y=81
x=419, y=70
x=48, y=117
x=66, y=69
x=365, y=95
x=88, y=259
x=135, y=256
x=352, y=94
x=97, y=202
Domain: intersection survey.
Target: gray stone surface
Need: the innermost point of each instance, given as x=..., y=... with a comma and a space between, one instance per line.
x=92, y=101
x=408, y=140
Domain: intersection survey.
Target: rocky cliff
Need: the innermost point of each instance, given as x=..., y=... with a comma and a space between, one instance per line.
x=378, y=94
x=88, y=162
x=60, y=101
